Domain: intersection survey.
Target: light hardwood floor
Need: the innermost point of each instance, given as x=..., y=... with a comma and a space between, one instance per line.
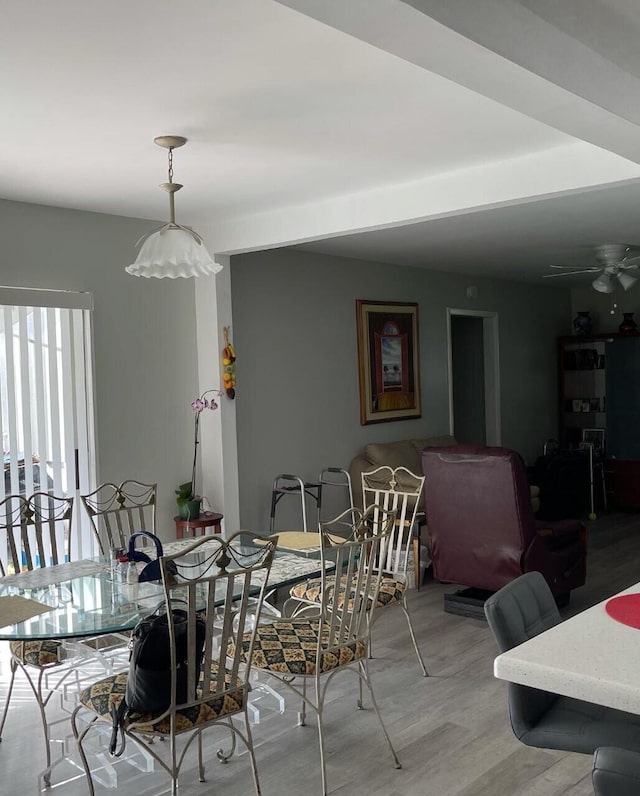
x=451, y=730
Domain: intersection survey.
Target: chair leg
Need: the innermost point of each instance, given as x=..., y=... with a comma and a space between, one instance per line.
x=405, y=608
x=252, y=758
x=302, y=716
x=364, y=675
x=223, y=756
x=175, y=766
x=42, y=704
x=319, y=709
x=200, y=762
x=13, y=666
x=79, y=736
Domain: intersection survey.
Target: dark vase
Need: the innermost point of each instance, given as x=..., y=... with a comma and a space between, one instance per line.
x=582, y=323
x=628, y=325
x=190, y=510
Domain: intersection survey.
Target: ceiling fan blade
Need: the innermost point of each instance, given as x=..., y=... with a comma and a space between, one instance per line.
x=635, y=260
x=576, y=269
x=570, y=273
x=630, y=265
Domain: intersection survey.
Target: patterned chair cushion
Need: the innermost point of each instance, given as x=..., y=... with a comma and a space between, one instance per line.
x=309, y=591
x=391, y=590
x=100, y=696
x=38, y=653
x=290, y=648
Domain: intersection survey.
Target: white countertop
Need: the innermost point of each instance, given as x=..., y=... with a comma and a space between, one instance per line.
x=590, y=656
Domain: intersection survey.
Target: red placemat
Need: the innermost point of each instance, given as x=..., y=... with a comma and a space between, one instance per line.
x=625, y=609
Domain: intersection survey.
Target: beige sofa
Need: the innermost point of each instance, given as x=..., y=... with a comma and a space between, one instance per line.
x=404, y=453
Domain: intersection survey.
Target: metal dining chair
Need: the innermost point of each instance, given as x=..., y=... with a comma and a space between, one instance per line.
x=118, y=510
x=211, y=580
x=400, y=490
x=387, y=489
x=35, y=533
x=312, y=648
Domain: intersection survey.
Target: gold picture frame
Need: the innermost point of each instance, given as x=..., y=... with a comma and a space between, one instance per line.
x=388, y=361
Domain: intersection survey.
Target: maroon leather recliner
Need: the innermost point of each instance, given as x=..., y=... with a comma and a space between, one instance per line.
x=482, y=530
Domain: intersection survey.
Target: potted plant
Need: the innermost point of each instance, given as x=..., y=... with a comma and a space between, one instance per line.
x=188, y=503
x=186, y=498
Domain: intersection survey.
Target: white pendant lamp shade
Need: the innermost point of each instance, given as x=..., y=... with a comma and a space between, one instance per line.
x=626, y=280
x=173, y=252
x=603, y=284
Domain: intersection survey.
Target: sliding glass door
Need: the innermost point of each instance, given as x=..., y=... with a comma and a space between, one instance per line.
x=46, y=399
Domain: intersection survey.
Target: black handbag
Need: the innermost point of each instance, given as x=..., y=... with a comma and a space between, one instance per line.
x=152, y=570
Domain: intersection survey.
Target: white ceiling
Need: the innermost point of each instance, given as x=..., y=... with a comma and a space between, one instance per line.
x=483, y=136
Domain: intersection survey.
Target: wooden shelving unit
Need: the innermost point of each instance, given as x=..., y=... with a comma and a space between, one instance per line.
x=584, y=404
x=583, y=400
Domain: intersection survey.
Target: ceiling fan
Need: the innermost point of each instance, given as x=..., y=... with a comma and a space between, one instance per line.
x=613, y=261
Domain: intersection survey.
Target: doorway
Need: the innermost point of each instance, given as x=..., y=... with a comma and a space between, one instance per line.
x=474, y=380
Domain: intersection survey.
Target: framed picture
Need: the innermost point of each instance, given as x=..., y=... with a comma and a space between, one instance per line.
x=388, y=361
x=595, y=437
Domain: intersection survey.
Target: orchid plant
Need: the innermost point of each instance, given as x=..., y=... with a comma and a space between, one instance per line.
x=198, y=405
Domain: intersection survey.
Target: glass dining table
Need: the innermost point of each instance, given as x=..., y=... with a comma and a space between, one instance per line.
x=83, y=598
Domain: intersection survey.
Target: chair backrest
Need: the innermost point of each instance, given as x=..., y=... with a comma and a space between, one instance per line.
x=479, y=515
x=616, y=772
x=346, y=620
x=213, y=579
x=118, y=510
x=399, y=490
x=517, y=612
x=34, y=531
x=521, y=610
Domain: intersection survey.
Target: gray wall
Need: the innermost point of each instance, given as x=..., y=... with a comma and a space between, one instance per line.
x=294, y=331
x=294, y=327
x=144, y=338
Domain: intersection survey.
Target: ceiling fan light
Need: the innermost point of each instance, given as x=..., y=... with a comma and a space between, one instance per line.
x=173, y=253
x=626, y=280
x=603, y=284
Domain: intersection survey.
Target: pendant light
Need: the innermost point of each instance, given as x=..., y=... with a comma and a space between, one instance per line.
x=173, y=250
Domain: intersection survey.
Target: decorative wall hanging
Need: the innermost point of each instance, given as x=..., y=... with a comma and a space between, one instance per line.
x=388, y=361
x=228, y=366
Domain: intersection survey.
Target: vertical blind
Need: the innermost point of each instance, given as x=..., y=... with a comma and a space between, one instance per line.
x=46, y=417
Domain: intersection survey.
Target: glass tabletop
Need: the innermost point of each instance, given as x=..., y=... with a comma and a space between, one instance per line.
x=80, y=599
x=78, y=605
